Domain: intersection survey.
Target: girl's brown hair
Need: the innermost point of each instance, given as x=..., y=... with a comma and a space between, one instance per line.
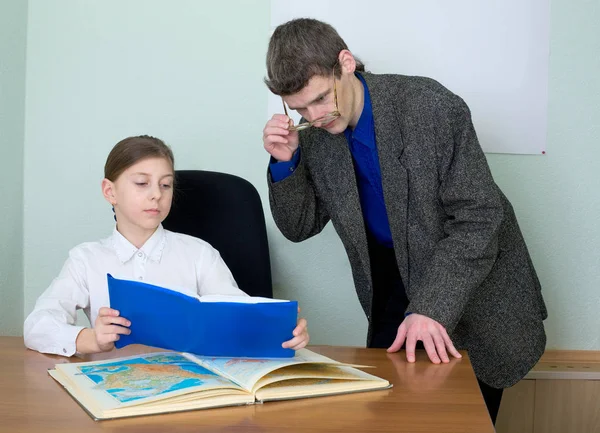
x=131, y=150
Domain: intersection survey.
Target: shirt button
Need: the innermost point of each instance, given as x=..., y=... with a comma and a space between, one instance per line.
x=140, y=278
x=291, y=168
x=140, y=254
x=64, y=350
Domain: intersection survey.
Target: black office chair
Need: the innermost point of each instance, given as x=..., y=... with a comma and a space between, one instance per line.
x=225, y=211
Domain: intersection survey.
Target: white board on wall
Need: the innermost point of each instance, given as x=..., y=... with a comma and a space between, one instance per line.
x=492, y=53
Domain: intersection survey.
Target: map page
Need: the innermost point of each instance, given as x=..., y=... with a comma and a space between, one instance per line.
x=143, y=378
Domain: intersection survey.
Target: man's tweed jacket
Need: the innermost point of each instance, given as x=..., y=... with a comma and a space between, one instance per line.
x=460, y=251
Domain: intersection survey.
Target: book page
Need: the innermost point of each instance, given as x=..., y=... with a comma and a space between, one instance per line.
x=313, y=371
x=141, y=379
x=247, y=372
x=303, y=388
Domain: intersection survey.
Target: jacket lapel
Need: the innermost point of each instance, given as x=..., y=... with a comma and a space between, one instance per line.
x=394, y=176
x=338, y=169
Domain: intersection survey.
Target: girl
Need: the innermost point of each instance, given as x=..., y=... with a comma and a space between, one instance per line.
x=139, y=175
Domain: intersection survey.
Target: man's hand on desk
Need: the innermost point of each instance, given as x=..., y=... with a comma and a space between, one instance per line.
x=435, y=339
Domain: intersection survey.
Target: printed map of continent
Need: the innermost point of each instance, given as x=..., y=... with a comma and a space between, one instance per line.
x=244, y=370
x=149, y=376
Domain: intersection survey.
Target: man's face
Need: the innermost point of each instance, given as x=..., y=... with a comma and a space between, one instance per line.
x=317, y=99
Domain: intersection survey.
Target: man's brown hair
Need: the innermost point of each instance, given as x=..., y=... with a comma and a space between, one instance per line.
x=299, y=50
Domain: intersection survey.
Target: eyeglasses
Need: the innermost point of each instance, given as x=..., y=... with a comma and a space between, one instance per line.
x=323, y=120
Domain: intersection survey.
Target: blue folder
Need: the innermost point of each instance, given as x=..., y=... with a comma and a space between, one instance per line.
x=171, y=320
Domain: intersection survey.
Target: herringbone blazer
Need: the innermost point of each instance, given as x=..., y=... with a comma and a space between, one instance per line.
x=460, y=252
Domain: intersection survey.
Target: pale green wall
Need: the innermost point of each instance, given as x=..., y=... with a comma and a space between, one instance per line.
x=191, y=73
x=13, y=41
x=557, y=196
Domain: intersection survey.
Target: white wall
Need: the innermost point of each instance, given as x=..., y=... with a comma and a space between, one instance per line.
x=492, y=53
x=557, y=197
x=13, y=37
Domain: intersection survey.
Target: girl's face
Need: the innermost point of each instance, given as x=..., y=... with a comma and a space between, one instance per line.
x=142, y=194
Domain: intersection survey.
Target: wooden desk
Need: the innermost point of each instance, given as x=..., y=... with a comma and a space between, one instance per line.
x=425, y=398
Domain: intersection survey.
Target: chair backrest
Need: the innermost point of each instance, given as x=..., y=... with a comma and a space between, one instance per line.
x=225, y=211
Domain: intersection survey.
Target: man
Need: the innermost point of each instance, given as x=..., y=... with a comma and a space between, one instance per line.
x=394, y=163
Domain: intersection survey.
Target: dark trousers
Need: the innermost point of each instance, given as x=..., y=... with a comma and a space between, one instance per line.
x=389, y=305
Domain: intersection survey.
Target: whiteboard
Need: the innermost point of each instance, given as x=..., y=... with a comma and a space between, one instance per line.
x=492, y=53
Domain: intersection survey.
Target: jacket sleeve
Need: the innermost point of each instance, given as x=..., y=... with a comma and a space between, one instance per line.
x=472, y=202
x=297, y=210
